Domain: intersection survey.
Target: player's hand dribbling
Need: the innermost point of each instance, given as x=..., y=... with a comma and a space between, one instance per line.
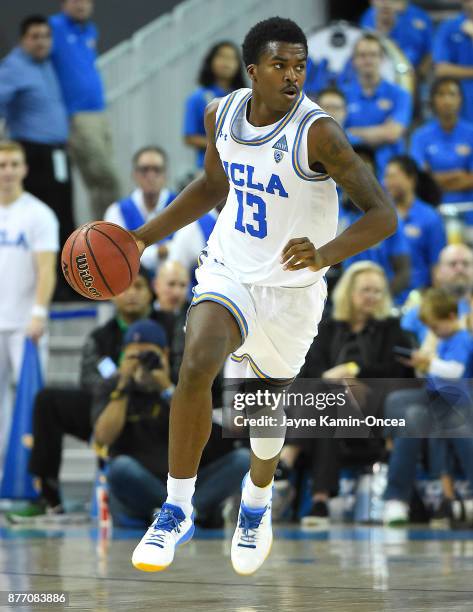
x=300, y=253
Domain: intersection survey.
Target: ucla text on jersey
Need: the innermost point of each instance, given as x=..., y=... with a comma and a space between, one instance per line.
x=274, y=195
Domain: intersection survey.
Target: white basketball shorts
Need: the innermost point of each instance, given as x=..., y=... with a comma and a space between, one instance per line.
x=277, y=324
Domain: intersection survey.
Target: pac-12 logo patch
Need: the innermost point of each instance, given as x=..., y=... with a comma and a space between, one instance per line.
x=280, y=146
x=278, y=155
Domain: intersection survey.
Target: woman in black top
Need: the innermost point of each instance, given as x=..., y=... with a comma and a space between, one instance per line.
x=357, y=342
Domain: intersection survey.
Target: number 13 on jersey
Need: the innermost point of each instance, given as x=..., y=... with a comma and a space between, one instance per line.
x=258, y=228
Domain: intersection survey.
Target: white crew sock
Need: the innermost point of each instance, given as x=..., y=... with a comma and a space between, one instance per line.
x=180, y=492
x=256, y=497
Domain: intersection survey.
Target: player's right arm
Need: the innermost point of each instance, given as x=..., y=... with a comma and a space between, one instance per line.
x=198, y=198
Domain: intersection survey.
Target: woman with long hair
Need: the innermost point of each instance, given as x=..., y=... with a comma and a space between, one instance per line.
x=422, y=225
x=221, y=72
x=357, y=342
x=444, y=145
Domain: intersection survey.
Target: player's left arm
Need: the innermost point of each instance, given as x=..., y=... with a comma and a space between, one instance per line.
x=45, y=263
x=329, y=149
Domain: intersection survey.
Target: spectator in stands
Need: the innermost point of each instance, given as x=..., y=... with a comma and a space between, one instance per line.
x=333, y=102
x=29, y=241
x=221, y=73
x=171, y=287
x=392, y=254
x=33, y=107
x=150, y=197
x=379, y=112
x=357, y=342
x=439, y=407
x=444, y=145
x=74, y=56
x=422, y=225
x=68, y=411
x=131, y=419
x=406, y=24
x=453, y=54
x=454, y=274
x=188, y=243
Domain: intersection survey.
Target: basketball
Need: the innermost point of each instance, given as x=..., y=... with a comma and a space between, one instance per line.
x=100, y=260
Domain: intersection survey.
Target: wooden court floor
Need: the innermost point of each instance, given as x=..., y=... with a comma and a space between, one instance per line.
x=339, y=570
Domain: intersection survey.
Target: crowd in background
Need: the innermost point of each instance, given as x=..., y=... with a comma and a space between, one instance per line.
x=401, y=310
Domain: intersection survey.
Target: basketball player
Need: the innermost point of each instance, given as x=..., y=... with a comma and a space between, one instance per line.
x=29, y=241
x=275, y=156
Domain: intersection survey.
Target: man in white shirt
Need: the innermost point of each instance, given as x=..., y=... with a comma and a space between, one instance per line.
x=29, y=241
x=146, y=201
x=189, y=241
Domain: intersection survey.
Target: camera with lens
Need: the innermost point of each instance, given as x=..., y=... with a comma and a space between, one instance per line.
x=150, y=361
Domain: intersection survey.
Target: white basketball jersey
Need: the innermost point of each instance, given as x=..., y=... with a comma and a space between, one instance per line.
x=274, y=195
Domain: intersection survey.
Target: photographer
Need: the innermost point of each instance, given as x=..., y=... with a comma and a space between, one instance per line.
x=131, y=419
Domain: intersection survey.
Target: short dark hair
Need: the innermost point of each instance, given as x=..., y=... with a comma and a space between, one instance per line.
x=369, y=37
x=270, y=30
x=426, y=187
x=332, y=91
x=149, y=149
x=32, y=20
x=439, y=81
x=206, y=75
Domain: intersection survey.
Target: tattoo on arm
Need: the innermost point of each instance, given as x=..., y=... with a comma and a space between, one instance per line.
x=329, y=146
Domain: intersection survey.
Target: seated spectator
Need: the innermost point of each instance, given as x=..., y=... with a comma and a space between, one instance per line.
x=32, y=105
x=68, y=411
x=221, y=73
x=454, y=274
x=357, y=342
x=392, y=254
x=439, y=407
x=333, y=102
x=406, y=24
x=453, y=54
x=379, y=112
x=150, y=197
x=422, y=225
x=444, y=145
x=171, y=286
x=74, y=56
x=189, y=242
x=29, y=241
x=131, y=420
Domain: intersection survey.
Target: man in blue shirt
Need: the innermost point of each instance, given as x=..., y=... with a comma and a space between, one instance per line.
x=74, y=57
x=379, y=112
x=454, y=274
x=391, y=254
x=404, y=23
x=32, y=105
x=453, y=53
x=421, y=224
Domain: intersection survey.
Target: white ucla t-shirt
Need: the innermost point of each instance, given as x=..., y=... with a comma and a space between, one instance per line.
x=27, y=226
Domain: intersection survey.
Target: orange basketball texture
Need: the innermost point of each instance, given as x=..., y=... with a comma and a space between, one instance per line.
x=100, y=260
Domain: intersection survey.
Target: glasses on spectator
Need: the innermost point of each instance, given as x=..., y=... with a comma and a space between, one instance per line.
x=150, y=168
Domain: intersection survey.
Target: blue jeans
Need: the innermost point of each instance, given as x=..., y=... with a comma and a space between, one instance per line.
x=135, y=491
x=414, y=405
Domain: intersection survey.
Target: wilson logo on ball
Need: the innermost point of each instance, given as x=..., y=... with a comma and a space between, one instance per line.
x=85, y=275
